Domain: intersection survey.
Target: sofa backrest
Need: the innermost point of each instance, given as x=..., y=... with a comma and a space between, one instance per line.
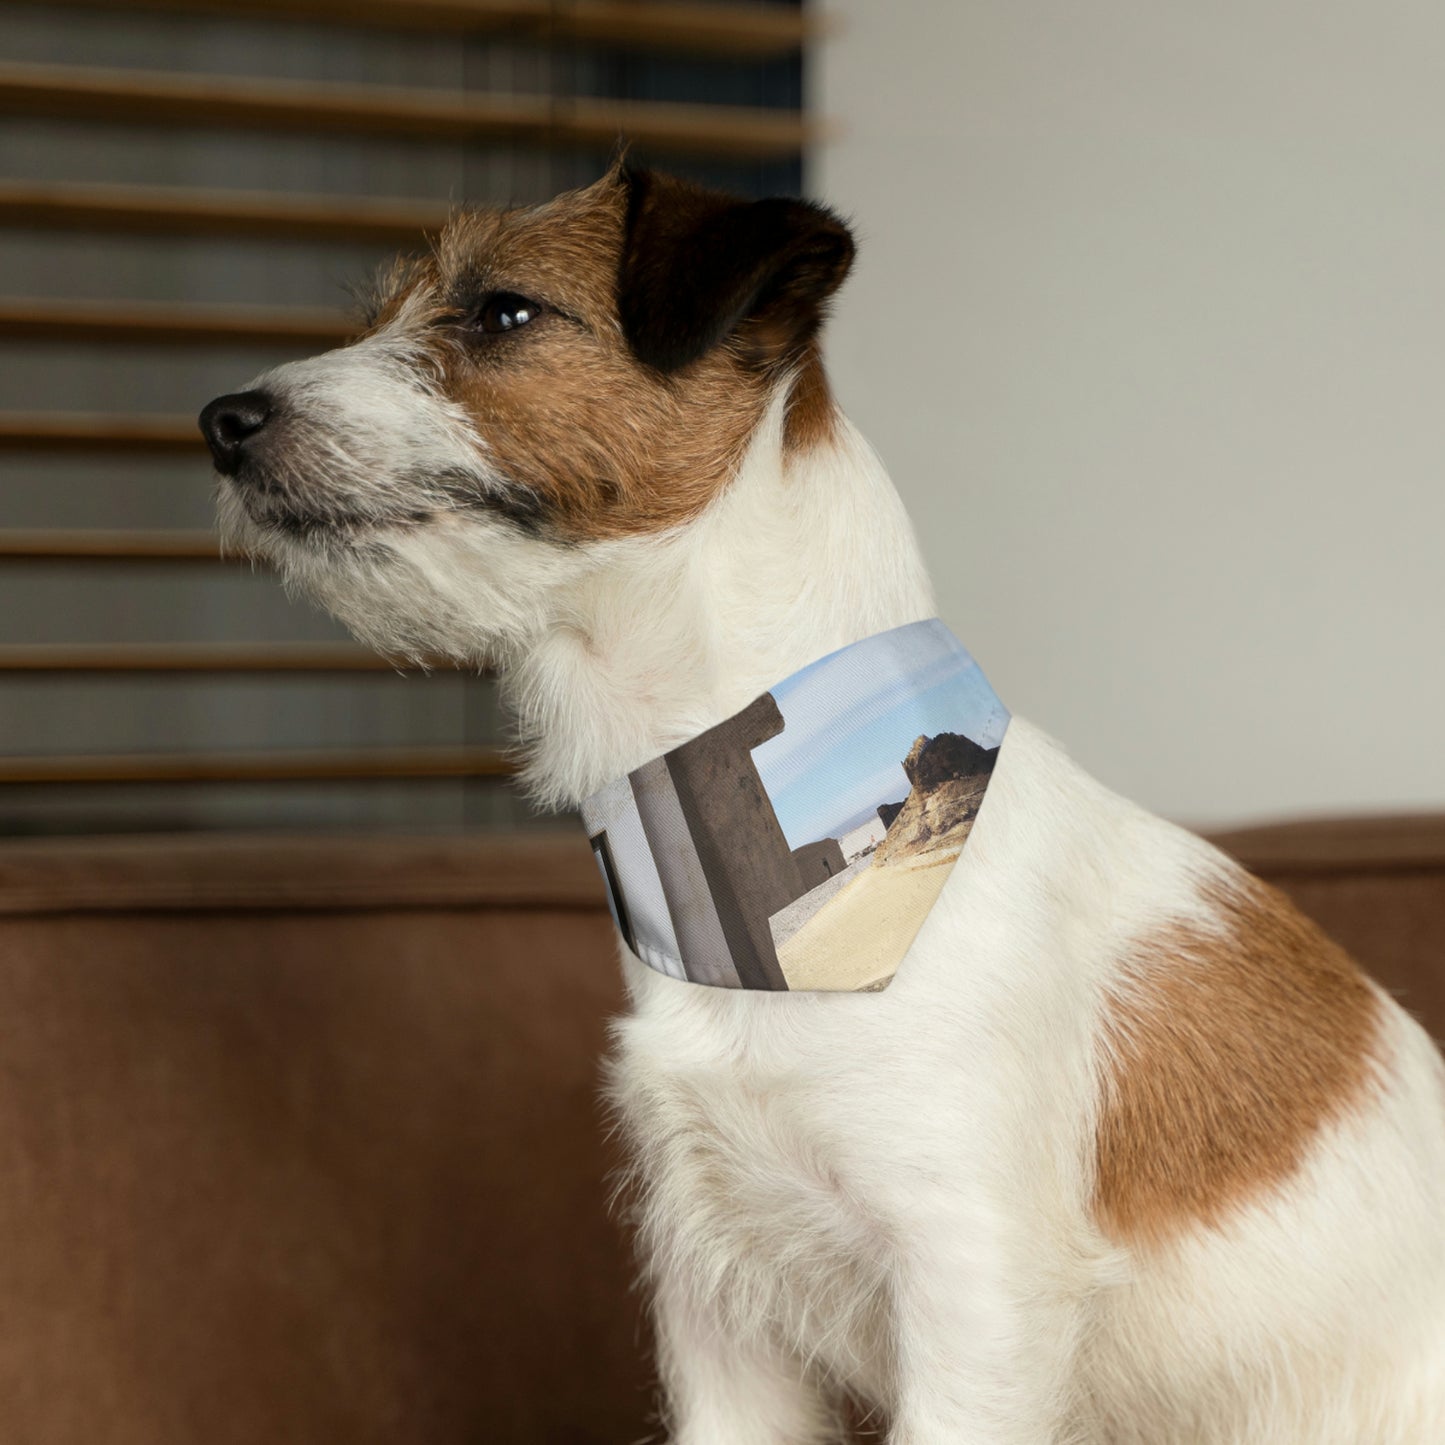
x=300, y=1142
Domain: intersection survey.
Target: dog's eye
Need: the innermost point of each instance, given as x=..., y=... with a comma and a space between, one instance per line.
x=506, y=311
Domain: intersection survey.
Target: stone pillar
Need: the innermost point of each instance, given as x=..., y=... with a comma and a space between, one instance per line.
x=700, y=939
x=749, y=867
x=818, y=862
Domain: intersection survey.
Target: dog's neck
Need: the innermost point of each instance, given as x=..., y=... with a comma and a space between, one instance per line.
x=805, y=552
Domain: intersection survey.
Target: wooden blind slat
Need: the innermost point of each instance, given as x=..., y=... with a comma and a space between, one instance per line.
x=182, y=657
x=95, y=431
x=168, y=323
x=176, y=211
x=757, y=31
x=159, y=98
x=359, y=764
x=109, y=546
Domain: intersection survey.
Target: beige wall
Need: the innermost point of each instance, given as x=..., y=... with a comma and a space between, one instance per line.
x=1149, y=324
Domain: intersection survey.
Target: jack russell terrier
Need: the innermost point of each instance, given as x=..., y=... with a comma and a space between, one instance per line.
x=1127, y=1153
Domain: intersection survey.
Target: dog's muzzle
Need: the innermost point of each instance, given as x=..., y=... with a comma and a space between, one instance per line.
x=231, y=424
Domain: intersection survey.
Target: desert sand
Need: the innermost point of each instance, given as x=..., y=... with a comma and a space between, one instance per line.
x=857, y=939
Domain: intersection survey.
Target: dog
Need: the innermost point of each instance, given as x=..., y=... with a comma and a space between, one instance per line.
x=1128, y=1153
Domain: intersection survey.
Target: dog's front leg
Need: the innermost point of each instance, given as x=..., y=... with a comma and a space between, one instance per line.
x=723, y=1388
x=985, y=1352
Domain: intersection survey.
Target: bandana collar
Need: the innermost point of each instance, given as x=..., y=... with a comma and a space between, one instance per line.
x=801, y=843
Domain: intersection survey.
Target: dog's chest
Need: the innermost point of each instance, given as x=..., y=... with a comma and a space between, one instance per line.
x=753, y=1185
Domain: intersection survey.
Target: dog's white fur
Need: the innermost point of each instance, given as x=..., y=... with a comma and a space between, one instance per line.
x=891, y=1193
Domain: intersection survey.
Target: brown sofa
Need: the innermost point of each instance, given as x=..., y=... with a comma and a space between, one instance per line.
x=299, y=1139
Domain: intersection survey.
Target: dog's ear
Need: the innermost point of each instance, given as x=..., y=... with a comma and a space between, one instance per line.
x=699, y=267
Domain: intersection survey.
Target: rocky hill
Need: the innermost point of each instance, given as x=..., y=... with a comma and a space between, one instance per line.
x=948, y=774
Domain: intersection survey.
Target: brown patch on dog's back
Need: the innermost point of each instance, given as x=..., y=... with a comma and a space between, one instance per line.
x=1228, y=1051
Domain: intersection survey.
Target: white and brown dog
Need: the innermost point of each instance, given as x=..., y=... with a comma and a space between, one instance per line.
x=1128, y=1152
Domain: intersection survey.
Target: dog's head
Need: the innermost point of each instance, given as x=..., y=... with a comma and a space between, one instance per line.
x=546, y=382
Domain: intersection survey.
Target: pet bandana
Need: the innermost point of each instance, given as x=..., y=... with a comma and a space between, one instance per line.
x=800, y=844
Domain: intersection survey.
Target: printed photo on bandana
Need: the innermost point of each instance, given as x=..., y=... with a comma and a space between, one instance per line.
x=801, y=843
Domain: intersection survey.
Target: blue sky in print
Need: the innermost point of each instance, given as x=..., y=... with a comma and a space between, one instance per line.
x=851, y=717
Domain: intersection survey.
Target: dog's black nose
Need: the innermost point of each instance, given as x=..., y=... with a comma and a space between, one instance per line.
x=229, y=422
